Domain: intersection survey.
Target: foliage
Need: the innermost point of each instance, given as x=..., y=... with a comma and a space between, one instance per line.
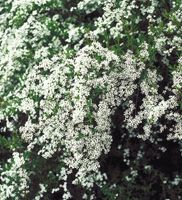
x=79, y=82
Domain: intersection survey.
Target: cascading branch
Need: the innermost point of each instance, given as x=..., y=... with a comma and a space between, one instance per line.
x=63, y=74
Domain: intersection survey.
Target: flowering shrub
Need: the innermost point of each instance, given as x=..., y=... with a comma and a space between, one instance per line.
x=68, y=70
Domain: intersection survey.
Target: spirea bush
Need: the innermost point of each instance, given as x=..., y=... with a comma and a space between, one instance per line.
x=72, y=75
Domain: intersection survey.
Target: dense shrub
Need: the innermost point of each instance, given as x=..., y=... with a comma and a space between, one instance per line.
x=90, y=99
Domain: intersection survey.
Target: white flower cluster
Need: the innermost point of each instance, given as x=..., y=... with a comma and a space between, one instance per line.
x=15, y=179
x=69, y=108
